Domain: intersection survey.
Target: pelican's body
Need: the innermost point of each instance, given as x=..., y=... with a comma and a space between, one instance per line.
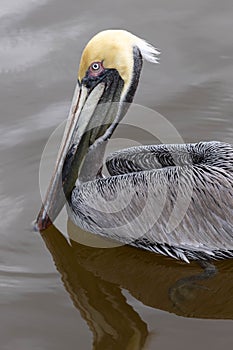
x=176, y=200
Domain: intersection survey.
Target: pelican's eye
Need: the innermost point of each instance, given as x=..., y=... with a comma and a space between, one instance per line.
x=96, y=68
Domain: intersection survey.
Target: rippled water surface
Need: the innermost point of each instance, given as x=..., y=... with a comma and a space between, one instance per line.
x=55, y=295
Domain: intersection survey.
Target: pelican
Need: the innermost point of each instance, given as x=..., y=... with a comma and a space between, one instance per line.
x=176, y=200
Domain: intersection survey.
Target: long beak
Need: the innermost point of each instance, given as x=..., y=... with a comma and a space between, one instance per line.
x=88, y=119
x=82, y=108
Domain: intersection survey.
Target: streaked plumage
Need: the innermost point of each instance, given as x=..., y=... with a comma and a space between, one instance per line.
x=200, y=174
x=176, y=200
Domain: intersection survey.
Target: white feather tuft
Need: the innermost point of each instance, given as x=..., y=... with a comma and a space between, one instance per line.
x=149, y=52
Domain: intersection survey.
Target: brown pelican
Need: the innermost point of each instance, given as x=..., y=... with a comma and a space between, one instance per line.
x=175, y=200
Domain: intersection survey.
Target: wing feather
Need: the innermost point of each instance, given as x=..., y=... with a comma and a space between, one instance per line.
x=188, y=206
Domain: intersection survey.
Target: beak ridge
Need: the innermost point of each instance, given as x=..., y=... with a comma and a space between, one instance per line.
x=82, y=108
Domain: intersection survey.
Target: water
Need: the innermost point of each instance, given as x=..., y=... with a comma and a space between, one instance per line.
x=118, y=298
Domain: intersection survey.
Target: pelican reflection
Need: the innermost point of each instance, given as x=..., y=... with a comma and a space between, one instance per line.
x=95, y=278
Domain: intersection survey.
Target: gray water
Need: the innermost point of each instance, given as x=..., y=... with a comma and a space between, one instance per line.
x=58, y=296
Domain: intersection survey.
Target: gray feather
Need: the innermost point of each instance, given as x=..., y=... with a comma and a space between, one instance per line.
x=173, y=199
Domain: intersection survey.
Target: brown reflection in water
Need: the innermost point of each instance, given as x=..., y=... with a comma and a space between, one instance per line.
x=94, y=278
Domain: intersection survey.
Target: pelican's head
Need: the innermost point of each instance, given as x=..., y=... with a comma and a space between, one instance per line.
x=116, y=50
x=108, y=76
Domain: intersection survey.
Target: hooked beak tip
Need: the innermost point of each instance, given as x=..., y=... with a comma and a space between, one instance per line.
x=42, y=222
